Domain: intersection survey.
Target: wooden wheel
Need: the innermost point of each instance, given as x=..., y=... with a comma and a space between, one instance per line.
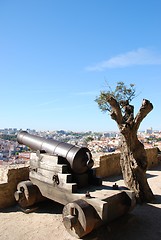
x=27, y=194
x=79, y=218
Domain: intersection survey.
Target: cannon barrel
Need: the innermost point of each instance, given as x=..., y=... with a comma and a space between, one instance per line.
x=79, y=158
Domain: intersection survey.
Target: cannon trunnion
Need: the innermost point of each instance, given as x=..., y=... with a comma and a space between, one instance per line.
x=63, y=172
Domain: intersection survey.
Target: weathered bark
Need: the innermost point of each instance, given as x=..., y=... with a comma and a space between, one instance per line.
x=133, y=159
x=133, y=163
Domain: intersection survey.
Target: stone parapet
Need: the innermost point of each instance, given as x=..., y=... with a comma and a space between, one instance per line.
x=8, y=184
x=109, y=164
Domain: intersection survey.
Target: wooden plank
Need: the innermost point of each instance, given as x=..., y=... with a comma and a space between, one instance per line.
x=63, y=178
x=59, y=195
x=49, y=159
x=47, y=162
x=58, y=168
x=71, y=187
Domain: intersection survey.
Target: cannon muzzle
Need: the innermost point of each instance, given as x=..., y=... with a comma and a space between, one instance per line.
x=79, y=158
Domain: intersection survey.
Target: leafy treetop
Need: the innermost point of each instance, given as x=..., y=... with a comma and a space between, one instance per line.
x=122, y=94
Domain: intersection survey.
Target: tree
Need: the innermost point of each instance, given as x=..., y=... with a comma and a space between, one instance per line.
x=133, y=158
x=89, y=138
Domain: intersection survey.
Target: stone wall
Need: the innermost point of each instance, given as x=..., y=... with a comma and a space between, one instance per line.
x=8, y=185
x=110, y=163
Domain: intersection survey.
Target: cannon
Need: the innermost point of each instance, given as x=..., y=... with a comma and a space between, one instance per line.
x=64, y=173
x=79, y=158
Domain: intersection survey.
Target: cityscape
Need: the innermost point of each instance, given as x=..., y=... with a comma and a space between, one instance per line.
x=11, y=152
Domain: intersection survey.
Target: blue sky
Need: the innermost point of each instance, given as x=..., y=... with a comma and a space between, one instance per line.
x=55, y=57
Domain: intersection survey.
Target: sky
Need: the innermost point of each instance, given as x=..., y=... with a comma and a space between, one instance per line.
x=57, y=55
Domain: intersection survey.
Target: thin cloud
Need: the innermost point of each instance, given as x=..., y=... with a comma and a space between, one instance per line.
x=141, y=56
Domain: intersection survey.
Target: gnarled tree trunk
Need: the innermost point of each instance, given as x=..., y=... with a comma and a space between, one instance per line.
x=133, y=163
x=133, y=159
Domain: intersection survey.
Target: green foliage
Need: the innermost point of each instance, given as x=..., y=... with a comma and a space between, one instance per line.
x=121, y=93
x=8, y=137
x=88, y=139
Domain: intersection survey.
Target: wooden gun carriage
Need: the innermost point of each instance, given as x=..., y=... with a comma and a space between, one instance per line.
x=64, y=173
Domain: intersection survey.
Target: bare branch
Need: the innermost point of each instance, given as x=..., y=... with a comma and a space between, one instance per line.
x=145, y=108
x=116, y=111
